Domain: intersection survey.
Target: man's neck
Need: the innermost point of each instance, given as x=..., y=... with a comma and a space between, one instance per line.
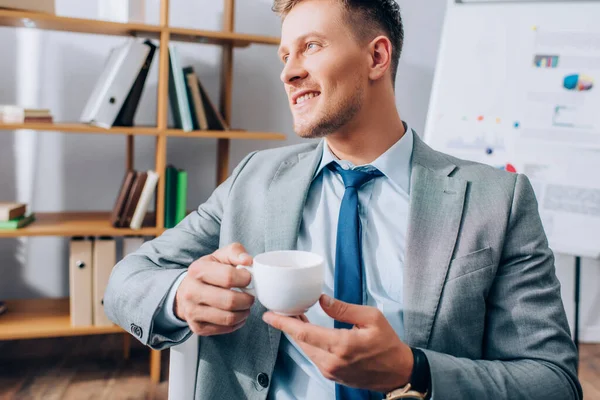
x=369, y=136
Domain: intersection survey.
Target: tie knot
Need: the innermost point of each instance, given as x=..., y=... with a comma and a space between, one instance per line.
x=354, y=178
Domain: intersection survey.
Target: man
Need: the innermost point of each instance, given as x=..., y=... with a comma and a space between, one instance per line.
x=444, y=281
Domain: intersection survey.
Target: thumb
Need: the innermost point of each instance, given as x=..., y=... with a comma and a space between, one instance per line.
x=345, y=312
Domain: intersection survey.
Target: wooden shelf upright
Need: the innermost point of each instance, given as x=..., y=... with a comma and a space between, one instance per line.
x=41, y=318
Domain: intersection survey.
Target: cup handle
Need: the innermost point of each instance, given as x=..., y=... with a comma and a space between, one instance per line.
x=250, y=288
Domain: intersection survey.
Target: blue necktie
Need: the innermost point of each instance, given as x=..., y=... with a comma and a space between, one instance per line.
x=348, y=257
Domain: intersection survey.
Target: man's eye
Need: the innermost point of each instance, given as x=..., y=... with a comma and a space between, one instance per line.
x=285, y=58
x=311, y=46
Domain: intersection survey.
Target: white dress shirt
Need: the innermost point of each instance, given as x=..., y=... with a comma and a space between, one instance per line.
x=383, y=213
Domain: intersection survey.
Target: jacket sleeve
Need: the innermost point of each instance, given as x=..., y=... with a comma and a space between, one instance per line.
x=139, y=284
x=527, y=351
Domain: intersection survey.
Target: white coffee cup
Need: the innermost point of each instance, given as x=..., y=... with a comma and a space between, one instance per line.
x=286, y=282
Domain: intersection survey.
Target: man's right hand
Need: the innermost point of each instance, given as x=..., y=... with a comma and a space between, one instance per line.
x=204, y=298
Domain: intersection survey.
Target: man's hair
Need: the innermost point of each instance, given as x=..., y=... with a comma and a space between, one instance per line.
x=367, y=18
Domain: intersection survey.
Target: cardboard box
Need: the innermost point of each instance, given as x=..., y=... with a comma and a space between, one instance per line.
x=45, y=6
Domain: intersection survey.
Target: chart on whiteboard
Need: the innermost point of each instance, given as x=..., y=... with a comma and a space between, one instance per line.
x=562, y=100
x=529, y=102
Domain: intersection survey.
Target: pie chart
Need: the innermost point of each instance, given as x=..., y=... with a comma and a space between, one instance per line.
x=578, y=82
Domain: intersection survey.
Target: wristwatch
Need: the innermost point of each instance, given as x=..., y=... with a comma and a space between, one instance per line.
x=420, y=380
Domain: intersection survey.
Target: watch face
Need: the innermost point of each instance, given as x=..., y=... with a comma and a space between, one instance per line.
x=406, y=392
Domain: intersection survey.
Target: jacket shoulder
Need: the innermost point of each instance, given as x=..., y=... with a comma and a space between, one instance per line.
x=282, y=153
x=479, y=172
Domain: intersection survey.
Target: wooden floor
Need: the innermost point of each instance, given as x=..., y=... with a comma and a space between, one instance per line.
x=589, y=370
x=78, y=375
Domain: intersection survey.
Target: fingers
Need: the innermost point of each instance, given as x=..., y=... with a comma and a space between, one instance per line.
x=208, y=329
x=224, y=299
x=301, y=331
x=218, y=274
x=359, y=316
x=211, y=315
x=234, y=254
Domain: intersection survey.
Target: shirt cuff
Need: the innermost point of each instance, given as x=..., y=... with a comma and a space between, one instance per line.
x=166, y=318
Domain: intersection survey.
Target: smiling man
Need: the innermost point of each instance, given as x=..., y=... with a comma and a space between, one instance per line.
x=439, y=281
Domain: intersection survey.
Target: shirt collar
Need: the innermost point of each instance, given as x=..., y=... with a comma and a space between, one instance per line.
x=395, y=163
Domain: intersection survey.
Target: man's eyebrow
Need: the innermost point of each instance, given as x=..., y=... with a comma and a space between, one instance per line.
x=282, y=49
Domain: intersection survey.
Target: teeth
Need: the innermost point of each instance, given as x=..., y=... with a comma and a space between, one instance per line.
x=305, y=97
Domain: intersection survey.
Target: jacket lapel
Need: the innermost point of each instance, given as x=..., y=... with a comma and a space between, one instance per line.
x=285, y=204
x=436, y=206
x=286, y=198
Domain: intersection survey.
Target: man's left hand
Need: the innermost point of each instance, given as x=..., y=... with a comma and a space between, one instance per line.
x=368, y=356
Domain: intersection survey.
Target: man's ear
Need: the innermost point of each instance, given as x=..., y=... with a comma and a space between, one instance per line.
x=380, y=52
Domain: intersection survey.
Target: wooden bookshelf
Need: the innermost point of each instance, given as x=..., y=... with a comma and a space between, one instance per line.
x=69, y=127
x=76, y=224
x=237, y=134
x=220, y=38
x=25, y=19
x=50, y=317
x=42, y=318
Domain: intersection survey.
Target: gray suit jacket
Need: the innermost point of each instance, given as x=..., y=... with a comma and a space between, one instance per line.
x=480, y=292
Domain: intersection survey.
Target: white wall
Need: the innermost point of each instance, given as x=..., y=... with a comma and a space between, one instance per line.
x=55, y=171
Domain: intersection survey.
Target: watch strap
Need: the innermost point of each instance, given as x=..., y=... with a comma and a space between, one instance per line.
x=420, y=379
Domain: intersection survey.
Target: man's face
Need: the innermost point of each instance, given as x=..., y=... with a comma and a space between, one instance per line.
x=325, y=68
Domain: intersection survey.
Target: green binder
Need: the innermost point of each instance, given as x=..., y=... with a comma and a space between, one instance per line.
x=17, y=223
x=170, y=196
x=182, y=184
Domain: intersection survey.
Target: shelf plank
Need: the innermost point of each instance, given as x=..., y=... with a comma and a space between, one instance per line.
x=76, y=224
x=220, y=38
x=42, y=318
x=233, y=134
x=70, y=127
x=27, y=19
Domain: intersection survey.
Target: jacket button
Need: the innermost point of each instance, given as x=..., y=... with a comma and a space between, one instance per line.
x=136, y=330
x=263, y=379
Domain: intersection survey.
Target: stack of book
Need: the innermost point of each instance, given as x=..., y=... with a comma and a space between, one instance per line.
x=14, y=215
x=176, y=183
x=13, y=114
x=133, y=200
x=117, y=92
x=190, y=103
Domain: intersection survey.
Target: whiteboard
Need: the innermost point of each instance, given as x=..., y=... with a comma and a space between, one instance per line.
x=517, y=86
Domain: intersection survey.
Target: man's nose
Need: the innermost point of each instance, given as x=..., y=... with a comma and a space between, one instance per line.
x=293, y=70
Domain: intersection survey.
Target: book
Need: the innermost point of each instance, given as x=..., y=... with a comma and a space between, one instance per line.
x=215, y=120
x=177, y=93
x=11, y=210
x=132, y=199
x=182, y=183
x=144, y=201
x=104, y=258
x=170, y=195
x=37, y=120
x=44, y=6
x=121, y=199
x=119, y=74
x=18, y=222
x=127, y=113
x=195, y=99
x=80, y=280
x=13, y=114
